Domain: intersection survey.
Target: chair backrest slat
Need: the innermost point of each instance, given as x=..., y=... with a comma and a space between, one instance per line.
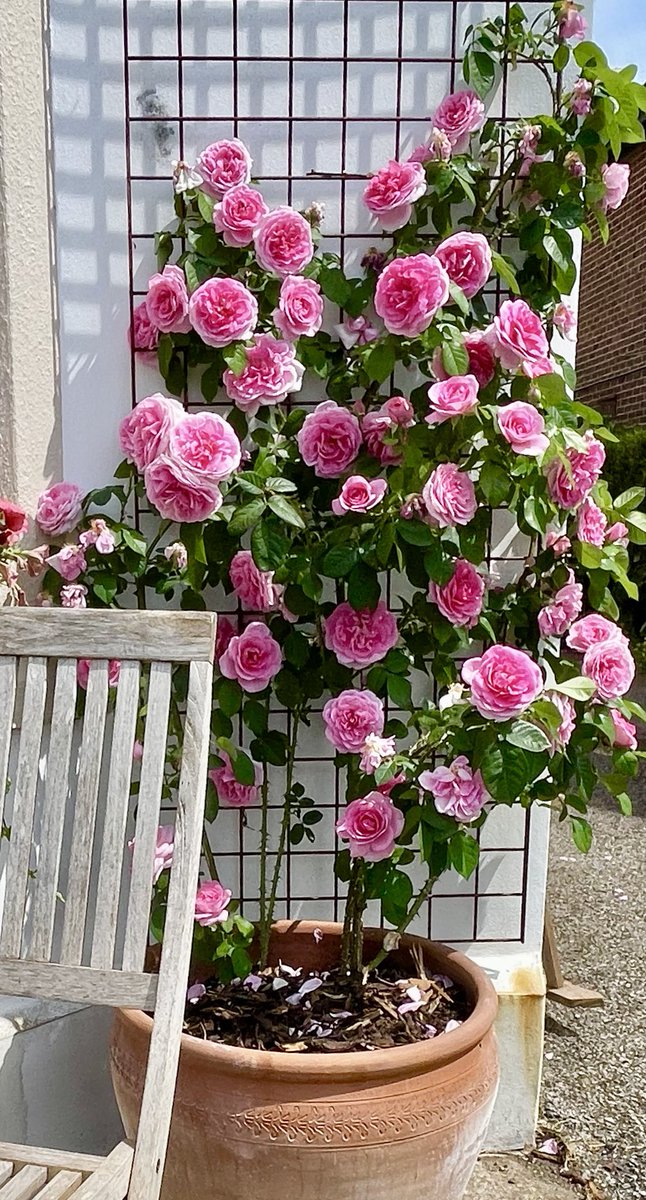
x=87, y=792
x=148, y=804
x=7, y=700
x=116, y=816
x=78, y=984
x=20, y=842
x=57, y=784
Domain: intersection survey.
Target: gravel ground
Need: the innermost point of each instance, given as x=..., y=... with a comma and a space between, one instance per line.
x=514, y=1177
x=594, y=1090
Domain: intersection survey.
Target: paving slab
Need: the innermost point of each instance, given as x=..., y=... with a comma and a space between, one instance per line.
x=516, y=1177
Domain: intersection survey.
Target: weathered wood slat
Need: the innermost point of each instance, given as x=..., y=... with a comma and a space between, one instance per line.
x=87, y=790
x=24, y=798
x=54, y=1160
x=116, y=816
x=157, y=1102
x=132, y=989
x=7, y=699
x=141, y=636
x=61, y=1186
x=6, y=1171
x=25, y=1184
x=110, y=1181
x=148, y=804
x=57, y=785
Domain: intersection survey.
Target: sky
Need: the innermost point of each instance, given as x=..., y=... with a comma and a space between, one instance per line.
x=619, y=27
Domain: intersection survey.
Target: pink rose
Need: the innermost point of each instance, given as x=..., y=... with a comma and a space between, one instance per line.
x=563, y=609
x=223, y=311
x=376, y=750
x=565, y=320
x=143, y=335
x=225, y=631
x=391, y=193
x=359, y=495
x=144, y=434
x=371, y=825
x=571, y=21
x=205, y=448
x=438, y=148
x=449, y=496
x=167, y=300
x=591, y=523
x=73, y=595
x=611, y=666
x=211, y=904
x=271, y=374
x=329, y=439
x=592, y=630
x=253, y=658
x=99, y=536
x=254, y=588
x=523, y=427
x=410, y=291
x=356, y=331
x=238, y=214
x=70, y=561
x=224, y=165
x=616, y=179
x=164, y=848
x=581, y=98
x=504, y=682
x=359, y=639
x=350, y=717
x=400, y=410
x=558, y=543
x=174, y=497
x=567, y=726
x=520, y=341
x=83, y=672
x=452, y=397
x=13, y=523
x=283, y=242
x=300, y=308
x=625, y=731
x=482, y=362
x=466, y=258
x=458, y=790
x=460, y=599
x=232, y=794
x=617, y=533
x=568, y=486
x=458, y=116
x=528, y=146
x=380, y=436
x=59, y=508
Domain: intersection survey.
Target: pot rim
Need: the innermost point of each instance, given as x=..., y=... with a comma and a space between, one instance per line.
x=413, y=1059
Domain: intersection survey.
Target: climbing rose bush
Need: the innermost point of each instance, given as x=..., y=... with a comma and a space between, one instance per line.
x=354, y=522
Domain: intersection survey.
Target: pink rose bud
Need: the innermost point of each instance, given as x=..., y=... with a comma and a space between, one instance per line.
x=503, y=681
x=167, y=300
x=361, y=638
x=143, y=335
x=238, y=215
x=204, y=447
x=144, y=434
x=13, y=523
x=616, y=179
x=563, y=609
x=453, y=397
x=567, y=726
x=625, y=731
x=438, y=148
x=575, y=164
x=559, y=543
x=178, y=497
x=460, y=599
x=329, y=439
x=591, y=523
x=73, y=595
x=523, y=427
x=351, y=717
x=565, y=320
x=164, y=848
x=391, y=193
x=300, y=308
x=617, y=533
x=70, y=562
x=271, y=374
x=59, y=508
x=253, y=658
x=568, y=487
x=359, y=495
x=381, y=435
x=571, y=21
x=83, y=672
x=138, y=750
x=356, y=331
x=283, y=242
x=254, y=588
x=466, y=258
x=232, y=794
x=449, y=496
x=211, y=904
x=226, y=630
x=520, y=341
x=592, y=630
x=374, y=260
x=400, y=411
x=224, y=165
x=611, y=667
x=371, y=825
x=580, y=100
x=528, y=144
x=458, y=116
x=410, y=292
x=458, y=790
x=222, y=311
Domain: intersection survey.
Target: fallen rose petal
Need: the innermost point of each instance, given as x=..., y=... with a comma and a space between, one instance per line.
x=550, y=1146
x=253, y=982
x=195, y=993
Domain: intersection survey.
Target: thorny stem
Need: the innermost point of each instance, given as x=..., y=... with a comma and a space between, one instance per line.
x=264, y=924
x=389, y=941
x=284, y=830
x=209, y=856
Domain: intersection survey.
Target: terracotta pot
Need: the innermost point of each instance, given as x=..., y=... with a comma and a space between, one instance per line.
x=403, y=1123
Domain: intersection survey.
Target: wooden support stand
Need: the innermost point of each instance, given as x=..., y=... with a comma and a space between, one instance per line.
x=562, y=990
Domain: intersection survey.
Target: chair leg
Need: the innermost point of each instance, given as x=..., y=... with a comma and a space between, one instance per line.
x=110, y=1181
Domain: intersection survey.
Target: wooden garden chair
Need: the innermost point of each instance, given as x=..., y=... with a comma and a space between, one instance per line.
x=72, y=951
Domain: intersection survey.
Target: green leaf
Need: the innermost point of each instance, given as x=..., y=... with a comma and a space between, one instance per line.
x=399, y=691
x=134, y=541
x=105, y=587
x=243, y=768
x=245, y=516
x=235, y=356
x=334, y=285
x=363, y=587
x=287, y=511
x=629, y=499
x=581, y=833
x=339, y=561
x=479, y=71
x=297, y=648
x=269, y=546
x=506, y=771
x=464, y=853
x=579, y=688
x=255, y=716
x=561, y=57
x=415, y=532
x=504, y=269
x=459, y=298
x=528, y=737
x=240, y=962
x=229, y=696
x=210, y=382
x=205, y=204
x=379, y=361
x=455, y=358
x=494, y=483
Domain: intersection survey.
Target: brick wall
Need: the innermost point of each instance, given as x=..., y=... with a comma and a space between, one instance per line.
x=611, y=351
